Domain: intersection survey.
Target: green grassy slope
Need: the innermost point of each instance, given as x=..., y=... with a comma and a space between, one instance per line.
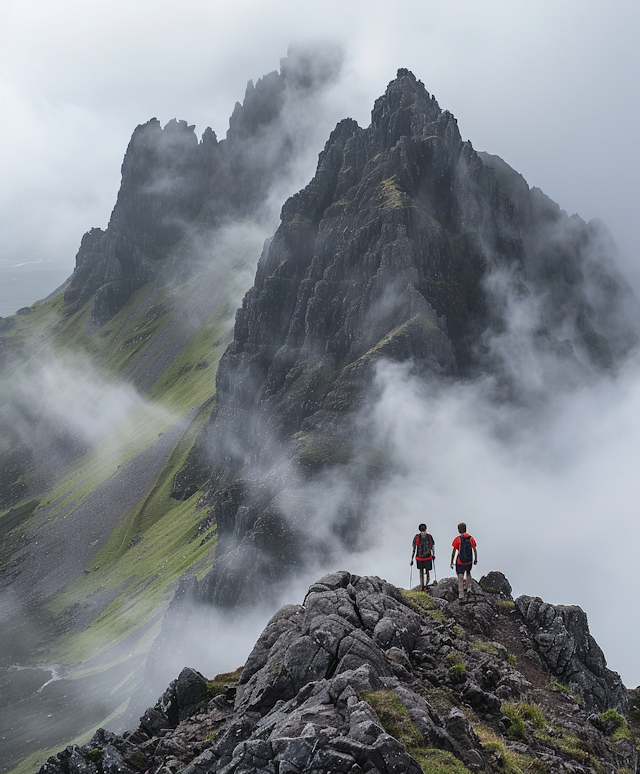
x=167, y=342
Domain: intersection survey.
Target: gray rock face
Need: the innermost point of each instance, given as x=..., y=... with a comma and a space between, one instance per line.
x=407, y=246
x=324, y=638
x=170, y=180
x=178, y=702
x=164, y=183
x=563, y=640
x=359, y=678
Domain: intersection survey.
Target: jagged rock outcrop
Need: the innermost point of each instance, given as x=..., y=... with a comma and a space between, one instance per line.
x=365, y=677
x=563, y=640
x=407, y=246
x=175, y=187
x=164, y=184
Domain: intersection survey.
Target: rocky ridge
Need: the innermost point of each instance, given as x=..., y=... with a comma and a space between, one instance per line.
x=165, y=242
x=177, y=189
x=366, y=677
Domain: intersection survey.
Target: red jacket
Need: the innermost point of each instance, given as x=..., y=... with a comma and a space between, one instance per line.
x=456, y=545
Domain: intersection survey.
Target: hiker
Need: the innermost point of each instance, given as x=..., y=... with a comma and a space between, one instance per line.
x=423, y=544
x=465, y=545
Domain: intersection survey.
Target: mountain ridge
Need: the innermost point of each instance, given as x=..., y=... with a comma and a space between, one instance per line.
x=175, y=187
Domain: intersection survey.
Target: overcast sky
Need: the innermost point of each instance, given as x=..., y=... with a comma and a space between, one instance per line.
x=551, y=86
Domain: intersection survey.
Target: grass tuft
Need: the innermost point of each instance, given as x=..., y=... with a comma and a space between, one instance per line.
x=434, y=761
x=484, y=647
x=456, y=664
x=529, y=712
x=394, y=718
x=503, y=759
x=520, y=714
x=617, y=723
x=219, y=684
x=422, y=602
x=554, y=685
x=613, y=718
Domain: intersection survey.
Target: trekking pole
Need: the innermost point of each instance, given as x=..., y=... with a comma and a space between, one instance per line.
x=411, y=575
x=435, y=574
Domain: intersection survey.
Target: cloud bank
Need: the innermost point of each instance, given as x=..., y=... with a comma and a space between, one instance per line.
x=545, y=87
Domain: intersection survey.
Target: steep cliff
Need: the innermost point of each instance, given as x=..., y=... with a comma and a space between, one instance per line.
x=366, y=677
x=407, y=246
x=171, y=241
x=175, y=187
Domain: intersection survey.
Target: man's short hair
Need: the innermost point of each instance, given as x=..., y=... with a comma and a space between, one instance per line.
x=422, y=527
x=462, y=527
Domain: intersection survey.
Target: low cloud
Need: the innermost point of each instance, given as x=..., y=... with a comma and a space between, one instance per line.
x=67, y=396
x=549, y=494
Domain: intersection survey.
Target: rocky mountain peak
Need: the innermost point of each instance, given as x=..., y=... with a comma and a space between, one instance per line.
x=406, y=246
x=163, y=182
x=262, y=104
x=165, y=179
x=305, y=70
x=363, y=676
x=405, y=109
x=173, y=186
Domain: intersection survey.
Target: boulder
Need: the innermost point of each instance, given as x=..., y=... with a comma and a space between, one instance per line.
x=495, y=582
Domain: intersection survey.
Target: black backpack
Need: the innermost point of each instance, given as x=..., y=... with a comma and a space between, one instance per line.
x=424, y=547
x=465, y=555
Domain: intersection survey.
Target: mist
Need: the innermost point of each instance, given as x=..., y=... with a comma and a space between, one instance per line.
x=549, y=495
x=70, y=391
x=69, y=419
x=548, y=489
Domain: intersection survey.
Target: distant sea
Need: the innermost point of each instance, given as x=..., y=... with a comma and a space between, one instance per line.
x=23, y=282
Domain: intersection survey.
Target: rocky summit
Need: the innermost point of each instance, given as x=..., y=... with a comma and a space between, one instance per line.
x=366, y=677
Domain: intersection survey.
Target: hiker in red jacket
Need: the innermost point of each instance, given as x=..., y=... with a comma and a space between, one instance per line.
x=465, y=545
x=423, y=544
